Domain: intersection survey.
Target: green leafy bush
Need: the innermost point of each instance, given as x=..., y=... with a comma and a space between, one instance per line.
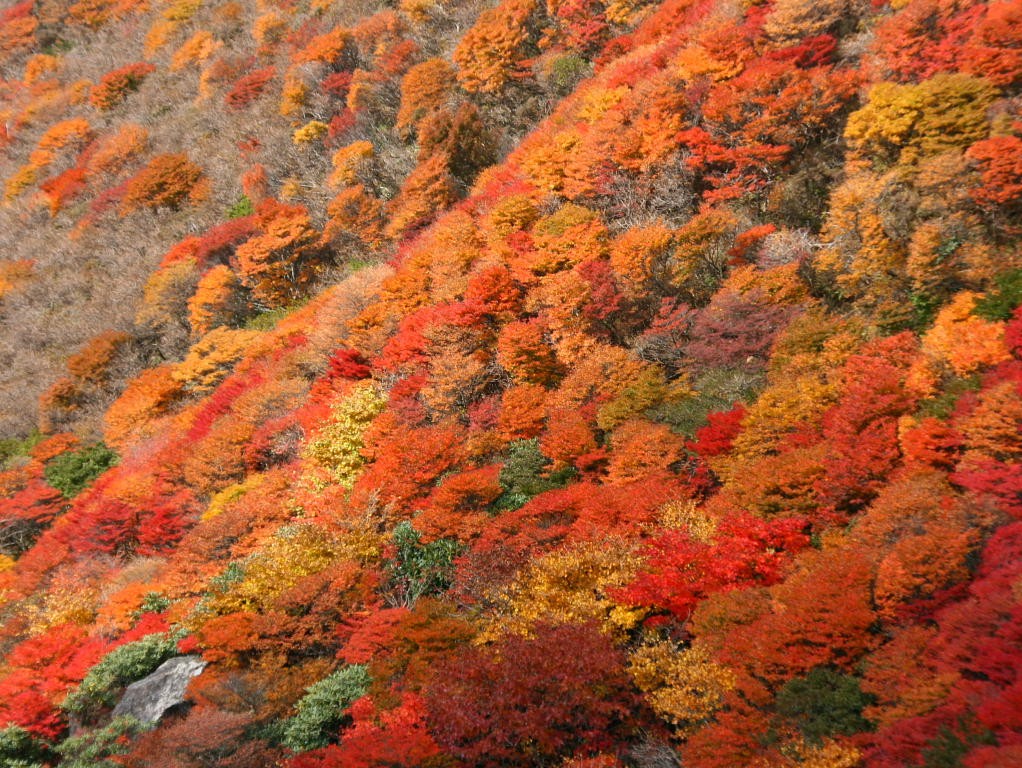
x=153, y=602
x=525, y=475
x=824, y=703
x=322, y=710
x=949, y=747
x=241, y=209
x=12, y=447
x=72, y=472
x=1000, y=304
x=267, y=321
x=566, y=72
x=18, y=749
x=90, y=749
x=418, y=569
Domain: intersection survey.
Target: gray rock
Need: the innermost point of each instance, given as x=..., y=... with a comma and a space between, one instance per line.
x=148, y=699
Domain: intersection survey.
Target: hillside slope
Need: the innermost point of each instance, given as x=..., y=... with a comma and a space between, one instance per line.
x=565, y=383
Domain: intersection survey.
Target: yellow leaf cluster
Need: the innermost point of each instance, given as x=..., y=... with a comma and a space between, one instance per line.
x=804, y=381
x=19, y=181
x=269, y=28
x=314, y=130
x=625, y=12
x=420, y=11
x=133, y=415
x=338, y=446
x=829, y=754
x=425, y=88
x=210, y=360
x=487, y=54
x=294, y=552
x=608, y=370
x=596, y=102
x=39, y=66
x=685, y=515
x=905, y=123
x=684, y=686
x=355, y=213
x=73, y=131
x=14, y=274
x=326, y=48
x=165, y=294
x=779, y=411
x=650, y=387
x=694, y=61
x=510, y=214
x=222, y=499
x=792, y=20
x=215, y=300
x=992, y=430
x=182, y=10
x=64, y=604
x=570, y=586
x=348, y=161
x=158, y=36
x=566, y=237
x=197, y=48
x=293, y=96
x=547, y=162
x=641, y=255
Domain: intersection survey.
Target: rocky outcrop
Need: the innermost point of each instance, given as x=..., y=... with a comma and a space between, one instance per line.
x=148, y=699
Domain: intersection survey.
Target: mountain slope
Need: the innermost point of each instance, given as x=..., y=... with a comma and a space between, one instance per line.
x=574, y=383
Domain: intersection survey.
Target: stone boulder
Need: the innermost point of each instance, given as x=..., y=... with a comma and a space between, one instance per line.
x=148, y=699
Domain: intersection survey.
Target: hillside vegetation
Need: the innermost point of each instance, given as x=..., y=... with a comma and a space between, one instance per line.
x=575, y=383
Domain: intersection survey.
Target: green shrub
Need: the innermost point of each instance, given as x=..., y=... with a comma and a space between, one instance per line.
x=322, y=710
x=121, y=666
x=90, y=749
x=824, y=703
x=18, y=749
x=942, y=404
x=948, y=748
x=13, y=447
x=267, y=321
x=718, y=389
x=241, y=209
x=72, y=472
x=418, y=569
x=1000, y=304
x=153, y=602
x=566, y=72
x=525, y=475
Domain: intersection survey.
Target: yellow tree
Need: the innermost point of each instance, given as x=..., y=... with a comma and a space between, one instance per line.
x=425, y=88
x=685, y=686
x=210, y=360
x=570, y=586
x=905, y=123
x=337, y=447
x=217, y=300
x=491, y=53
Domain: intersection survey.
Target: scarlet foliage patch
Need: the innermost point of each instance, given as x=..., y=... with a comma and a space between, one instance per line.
x=249, y=88
x=565, y=694
x=682, y=570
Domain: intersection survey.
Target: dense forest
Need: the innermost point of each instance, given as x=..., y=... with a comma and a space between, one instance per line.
x=558, y=383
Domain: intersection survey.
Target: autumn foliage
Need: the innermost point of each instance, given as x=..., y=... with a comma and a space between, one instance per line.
x=562, y=383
